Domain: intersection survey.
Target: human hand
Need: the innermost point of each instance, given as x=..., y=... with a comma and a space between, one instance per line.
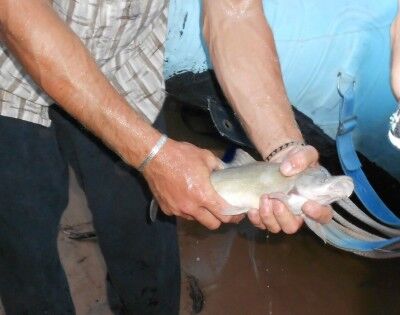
x=179, y=177
x=273, y=214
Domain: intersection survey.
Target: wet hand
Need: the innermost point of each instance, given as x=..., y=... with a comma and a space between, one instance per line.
x=273, y=214
x=179, y=177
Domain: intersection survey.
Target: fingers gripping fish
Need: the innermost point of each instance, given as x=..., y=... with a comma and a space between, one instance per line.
x=243, y=181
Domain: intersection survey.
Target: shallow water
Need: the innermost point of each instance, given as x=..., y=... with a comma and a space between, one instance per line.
x=242, y=270
x=280, y=274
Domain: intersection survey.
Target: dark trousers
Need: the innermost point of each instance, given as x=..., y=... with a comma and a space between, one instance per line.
x=142, y=257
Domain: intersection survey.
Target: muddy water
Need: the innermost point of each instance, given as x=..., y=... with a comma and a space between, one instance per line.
x=244, y=271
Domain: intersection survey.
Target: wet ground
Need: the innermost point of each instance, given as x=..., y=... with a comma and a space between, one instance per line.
x=241, y=270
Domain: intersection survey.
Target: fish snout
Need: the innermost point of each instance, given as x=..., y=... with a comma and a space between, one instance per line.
x=342, y=186
x=328, y=190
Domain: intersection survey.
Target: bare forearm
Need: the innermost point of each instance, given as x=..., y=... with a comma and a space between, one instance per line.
x=243, y=52
x=58, y=61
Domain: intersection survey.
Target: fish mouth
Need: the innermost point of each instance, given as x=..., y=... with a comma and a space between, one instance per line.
x=342, y=186
x=334, y=189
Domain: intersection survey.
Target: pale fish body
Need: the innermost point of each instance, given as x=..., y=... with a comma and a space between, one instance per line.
x=243, y=186
x=244, y=181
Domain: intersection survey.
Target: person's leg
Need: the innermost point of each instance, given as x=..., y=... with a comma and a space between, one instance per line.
x=33, y=195
x=142, y=257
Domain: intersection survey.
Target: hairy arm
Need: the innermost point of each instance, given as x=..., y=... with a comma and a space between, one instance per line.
x=56, y=59
x=243, y=52
x=245, y=60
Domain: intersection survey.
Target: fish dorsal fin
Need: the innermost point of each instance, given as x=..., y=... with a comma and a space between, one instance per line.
x=240, y=158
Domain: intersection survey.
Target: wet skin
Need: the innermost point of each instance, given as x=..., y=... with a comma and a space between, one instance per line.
x=243, y=52
x=179, y=176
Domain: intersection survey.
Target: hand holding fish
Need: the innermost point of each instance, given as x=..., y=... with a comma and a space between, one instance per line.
x=179, y=177
x=255, y=90
x=273, y=213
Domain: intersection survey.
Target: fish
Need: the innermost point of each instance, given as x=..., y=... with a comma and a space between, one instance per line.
x=243, y=181
x=242, y=186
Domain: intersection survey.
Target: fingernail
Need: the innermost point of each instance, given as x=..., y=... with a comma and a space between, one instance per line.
x=286, y=168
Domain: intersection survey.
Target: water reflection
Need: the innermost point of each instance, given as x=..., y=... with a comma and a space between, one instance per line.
x=241, y=270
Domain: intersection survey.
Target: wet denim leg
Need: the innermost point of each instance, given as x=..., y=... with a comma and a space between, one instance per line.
x=142, y=257
x=33, y=195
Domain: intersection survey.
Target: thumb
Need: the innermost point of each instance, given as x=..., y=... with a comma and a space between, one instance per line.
x=298, y=160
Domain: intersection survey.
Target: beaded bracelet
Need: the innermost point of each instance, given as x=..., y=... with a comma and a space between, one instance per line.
x=157, y=147
x=283, y=147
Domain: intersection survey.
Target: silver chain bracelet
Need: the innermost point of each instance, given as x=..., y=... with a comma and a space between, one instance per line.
x=157, y=147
